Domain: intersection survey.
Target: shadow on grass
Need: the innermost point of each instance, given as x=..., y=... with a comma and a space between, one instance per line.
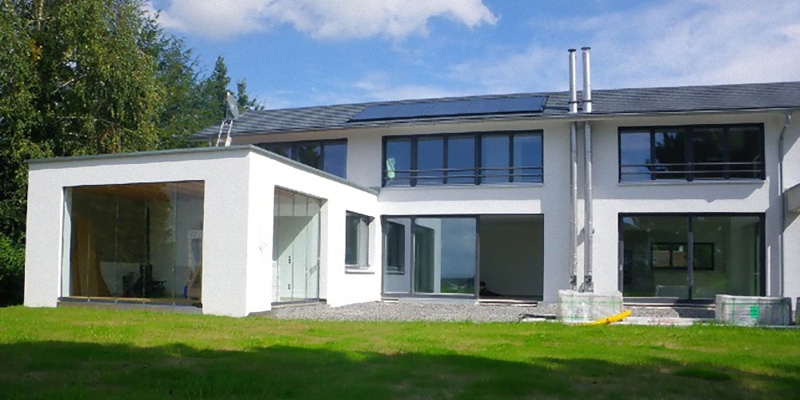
x=84, y=370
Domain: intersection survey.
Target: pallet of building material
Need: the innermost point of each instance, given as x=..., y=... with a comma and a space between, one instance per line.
x=753, y=310
x=582, y=307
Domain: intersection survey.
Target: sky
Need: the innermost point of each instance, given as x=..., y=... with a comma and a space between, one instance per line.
x=298, y=53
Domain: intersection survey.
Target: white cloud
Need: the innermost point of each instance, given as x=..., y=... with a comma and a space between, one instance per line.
x=321, y=19
x=672, y=43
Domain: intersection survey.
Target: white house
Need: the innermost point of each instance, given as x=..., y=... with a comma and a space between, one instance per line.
x=667, y=194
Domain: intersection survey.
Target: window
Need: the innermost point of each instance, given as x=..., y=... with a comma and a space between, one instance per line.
x=692, y=256
x=326, y=155
x=673, y=255
x=395, y=247
x=463, y=159
x=135, y=241
x=357, y=240
x=700, y=152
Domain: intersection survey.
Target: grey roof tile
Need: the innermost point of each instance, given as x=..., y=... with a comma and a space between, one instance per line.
x=754, y=96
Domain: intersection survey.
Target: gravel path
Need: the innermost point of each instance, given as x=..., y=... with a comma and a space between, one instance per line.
x=411, y=311
x=465, y=311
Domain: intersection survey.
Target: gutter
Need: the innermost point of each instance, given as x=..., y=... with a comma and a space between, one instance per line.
x=787, y=122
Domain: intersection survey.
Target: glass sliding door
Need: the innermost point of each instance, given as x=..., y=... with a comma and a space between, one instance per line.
x=691, y=256
x=430, y=256
x=655, y=252
x=727, y=256
x=445, y=251
x=295, y=247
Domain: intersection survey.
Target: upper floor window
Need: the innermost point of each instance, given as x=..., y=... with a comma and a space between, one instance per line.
x=696, y=152
x=327, y=155
x=463, y=159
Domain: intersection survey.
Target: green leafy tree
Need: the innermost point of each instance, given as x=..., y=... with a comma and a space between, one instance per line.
x=88, y=77
x=243, y=100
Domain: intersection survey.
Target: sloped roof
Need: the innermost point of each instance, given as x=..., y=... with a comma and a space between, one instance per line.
x=753, y=96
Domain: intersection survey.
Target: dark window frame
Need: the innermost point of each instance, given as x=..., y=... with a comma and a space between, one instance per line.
x=478, y=169
x=362, y=242
x=689, y=173
x=762, y=268
x=295, y=147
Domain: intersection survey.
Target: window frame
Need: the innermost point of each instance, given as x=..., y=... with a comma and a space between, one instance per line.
x=294, y=147
x=511, y=178
x=690, y=173
x=690, y=217
x=362, y=241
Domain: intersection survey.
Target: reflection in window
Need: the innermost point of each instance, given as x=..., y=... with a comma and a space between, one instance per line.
x=357, y=240
x=494, y=159
x=511, y=157
x=139, y=241
x=326, y=155
x=397, y=162
x=430, y=163
x=461, y=160
x=692, y=152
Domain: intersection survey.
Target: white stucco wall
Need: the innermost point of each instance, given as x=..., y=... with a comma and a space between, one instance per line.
x=610, y=197
x=240, y=184
x=237, y=238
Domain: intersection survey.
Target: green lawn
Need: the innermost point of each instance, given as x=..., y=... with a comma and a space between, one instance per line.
x=97, y=354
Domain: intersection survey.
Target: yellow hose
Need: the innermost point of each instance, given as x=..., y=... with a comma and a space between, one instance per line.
x=611, y=319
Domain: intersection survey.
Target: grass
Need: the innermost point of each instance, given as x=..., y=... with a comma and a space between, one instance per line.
x=73, y=353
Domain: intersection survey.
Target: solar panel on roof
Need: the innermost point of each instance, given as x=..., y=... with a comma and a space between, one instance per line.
x=450, y=108
x=411, y=110
x=456, y=107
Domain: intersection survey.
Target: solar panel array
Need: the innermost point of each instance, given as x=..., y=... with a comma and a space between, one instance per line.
x=448, y=108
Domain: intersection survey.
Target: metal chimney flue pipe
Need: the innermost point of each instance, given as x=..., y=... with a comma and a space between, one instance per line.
x=587, y=82
x=573, y=90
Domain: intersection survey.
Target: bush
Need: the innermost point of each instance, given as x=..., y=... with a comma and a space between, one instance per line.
x=12, y=271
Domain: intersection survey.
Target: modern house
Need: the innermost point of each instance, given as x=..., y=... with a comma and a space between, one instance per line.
x=670, y=194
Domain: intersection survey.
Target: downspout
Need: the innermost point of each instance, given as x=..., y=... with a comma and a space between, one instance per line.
x=786, y=123
x=588, y=285
x=573, y=178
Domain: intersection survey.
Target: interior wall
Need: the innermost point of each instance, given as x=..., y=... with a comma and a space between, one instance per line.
x=512, y=254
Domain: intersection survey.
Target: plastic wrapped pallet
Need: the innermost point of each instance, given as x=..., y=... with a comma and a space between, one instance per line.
x=753, y=311
x=577, y=307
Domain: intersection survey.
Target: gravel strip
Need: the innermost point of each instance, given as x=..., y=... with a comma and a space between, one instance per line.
x=411, y=311
x=462, y=311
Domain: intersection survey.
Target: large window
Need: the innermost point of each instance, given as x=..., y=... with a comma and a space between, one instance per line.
x=138, y=241
x=357, y=240
x=463, y=159
x=327, y=155
x=691, y=256
x=700, y=152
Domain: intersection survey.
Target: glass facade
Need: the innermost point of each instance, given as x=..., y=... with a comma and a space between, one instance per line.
x=295, y=247
x=698, y=152
x=138, y=241
x=435, y=256
x=695, y=256
x=463, y=159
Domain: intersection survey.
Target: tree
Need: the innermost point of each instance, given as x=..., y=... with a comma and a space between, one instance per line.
x=243, y=99
x=88, y=77
x=216, y=89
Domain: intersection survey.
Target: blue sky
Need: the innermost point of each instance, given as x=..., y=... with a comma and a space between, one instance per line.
x=296, y=53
